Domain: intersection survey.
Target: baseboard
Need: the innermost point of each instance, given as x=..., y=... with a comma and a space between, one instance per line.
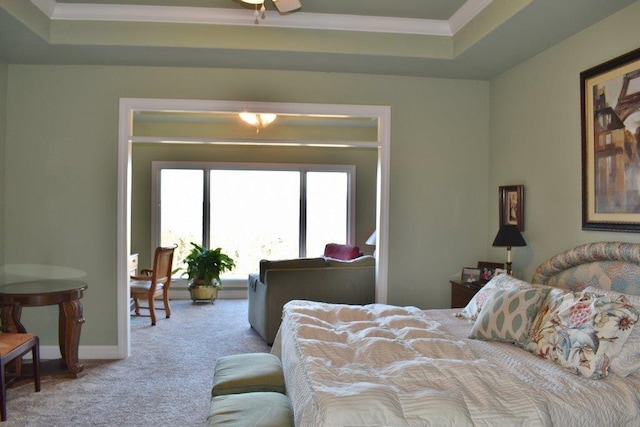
x=95, y=352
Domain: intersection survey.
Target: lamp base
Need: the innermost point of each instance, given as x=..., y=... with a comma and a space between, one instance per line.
x=509, y=271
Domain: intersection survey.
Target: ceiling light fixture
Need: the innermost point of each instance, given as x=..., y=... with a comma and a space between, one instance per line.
x=259, y=120
x=283, y=6
x=255, y=12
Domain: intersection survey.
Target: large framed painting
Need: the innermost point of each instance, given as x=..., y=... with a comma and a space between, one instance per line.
x=610, y=101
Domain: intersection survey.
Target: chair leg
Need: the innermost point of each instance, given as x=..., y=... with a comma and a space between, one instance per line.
x=167, y=308
x=3, y=393
x=152, y=309
x=136, y=303
x=35, y=355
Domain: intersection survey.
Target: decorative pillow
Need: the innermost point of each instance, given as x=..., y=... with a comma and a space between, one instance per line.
x=508, y=314
x=344, y=252
x=582, y=331
x=627, y=362
x=550, y=301
x=501, y=281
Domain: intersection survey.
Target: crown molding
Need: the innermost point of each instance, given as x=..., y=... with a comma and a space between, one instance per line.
x=466, y=13
x=298, y=20
x=48, y=7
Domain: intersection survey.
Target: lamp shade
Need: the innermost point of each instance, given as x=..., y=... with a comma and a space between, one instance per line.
x=509, y=235
x=371, y=241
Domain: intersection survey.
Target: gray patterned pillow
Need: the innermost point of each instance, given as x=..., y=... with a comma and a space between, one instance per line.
x=501, y=281
x=507, y=315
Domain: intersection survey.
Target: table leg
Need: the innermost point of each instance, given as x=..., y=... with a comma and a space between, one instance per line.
x=70, y=322
x=11, y=319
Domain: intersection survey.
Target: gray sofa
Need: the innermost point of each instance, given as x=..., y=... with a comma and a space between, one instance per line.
x=315, y=279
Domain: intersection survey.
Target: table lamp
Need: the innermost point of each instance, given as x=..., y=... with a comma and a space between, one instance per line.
x=373, y=240
x=509, y=236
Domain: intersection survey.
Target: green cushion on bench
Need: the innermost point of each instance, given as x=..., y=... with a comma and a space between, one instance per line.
x=265, y=409
x=244, y=373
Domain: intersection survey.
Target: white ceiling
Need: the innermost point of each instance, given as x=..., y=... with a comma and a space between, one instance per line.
x=441, y=38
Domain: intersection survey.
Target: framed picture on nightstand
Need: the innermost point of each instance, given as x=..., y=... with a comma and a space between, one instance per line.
x=488, y=270
x=470, y=275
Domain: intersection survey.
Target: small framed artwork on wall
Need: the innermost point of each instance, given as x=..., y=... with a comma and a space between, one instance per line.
x=511, y=205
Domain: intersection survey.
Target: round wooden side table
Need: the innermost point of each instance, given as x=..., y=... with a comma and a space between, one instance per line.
x=66, y=294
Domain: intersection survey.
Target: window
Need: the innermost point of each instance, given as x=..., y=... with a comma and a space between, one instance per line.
x=253, y=212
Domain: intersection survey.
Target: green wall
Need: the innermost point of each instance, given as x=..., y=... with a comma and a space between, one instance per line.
x=536, y=139
x=61, y=170
x=365, y=160
x=453, y=142
x=4, y=69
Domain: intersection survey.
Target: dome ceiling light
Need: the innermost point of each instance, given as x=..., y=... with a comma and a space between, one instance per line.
x=259, y=120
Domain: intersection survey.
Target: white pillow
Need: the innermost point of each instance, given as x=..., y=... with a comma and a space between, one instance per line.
x=627, y=361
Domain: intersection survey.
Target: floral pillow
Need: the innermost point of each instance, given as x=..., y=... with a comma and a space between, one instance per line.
x=627, y=362
x=582, y=331
x=508, y=314
x=501, y=281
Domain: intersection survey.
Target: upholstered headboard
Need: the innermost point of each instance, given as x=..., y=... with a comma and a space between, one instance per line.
x=606, y=265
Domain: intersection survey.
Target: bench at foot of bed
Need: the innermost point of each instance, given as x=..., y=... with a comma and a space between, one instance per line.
x=248, y=390
x=265, y=409
x=249, y=372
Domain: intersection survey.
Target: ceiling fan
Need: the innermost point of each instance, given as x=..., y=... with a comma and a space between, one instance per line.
x=283, y=6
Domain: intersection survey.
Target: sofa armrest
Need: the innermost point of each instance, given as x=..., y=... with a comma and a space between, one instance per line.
x=257, y=296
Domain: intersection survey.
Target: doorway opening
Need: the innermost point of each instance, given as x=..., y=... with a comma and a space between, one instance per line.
x=320, y=116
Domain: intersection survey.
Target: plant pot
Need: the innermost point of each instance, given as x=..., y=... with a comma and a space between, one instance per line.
x=203, y=293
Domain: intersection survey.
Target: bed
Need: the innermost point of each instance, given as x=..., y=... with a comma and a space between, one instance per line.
x=383, y=365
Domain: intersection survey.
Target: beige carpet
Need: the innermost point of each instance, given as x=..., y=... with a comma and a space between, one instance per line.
x=166, y=381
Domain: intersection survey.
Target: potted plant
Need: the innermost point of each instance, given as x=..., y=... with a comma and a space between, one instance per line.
x=204, y=267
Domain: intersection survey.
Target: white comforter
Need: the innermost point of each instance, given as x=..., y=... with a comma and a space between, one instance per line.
x=381, y=365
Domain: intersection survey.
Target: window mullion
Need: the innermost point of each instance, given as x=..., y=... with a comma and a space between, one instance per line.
x=206, y=209
x=303, y=214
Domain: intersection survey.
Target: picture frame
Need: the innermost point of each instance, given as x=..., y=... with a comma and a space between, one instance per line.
x=488, y=270
x=511, y=206
x=470, y=275
x=610, y=103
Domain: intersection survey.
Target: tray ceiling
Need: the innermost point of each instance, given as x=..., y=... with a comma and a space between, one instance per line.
x=475, y=39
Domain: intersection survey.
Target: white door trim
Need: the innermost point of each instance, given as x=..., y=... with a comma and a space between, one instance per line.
x=125, y=140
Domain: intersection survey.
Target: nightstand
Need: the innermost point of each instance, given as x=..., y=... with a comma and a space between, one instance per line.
x=461, y=293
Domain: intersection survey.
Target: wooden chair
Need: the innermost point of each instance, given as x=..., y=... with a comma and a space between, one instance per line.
x=14, y=345
x=154, y=283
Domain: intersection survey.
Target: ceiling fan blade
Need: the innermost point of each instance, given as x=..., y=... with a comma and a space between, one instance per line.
x=285, y=6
